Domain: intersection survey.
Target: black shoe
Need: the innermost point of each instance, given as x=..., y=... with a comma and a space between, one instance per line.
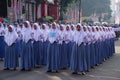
x=97, y=65
x=56, y=71
x=14, y=69
x=74, y=73
x=93, y=67
x=6, y=69
x=100, y=63
x=49, y=70
x=23, y=69
x=1, y=59
x=29, y=70
x=64, y=68
x=87, y=71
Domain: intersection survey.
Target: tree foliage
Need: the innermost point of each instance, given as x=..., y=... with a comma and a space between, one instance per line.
x=95, y=6
x=89, y=7
x=63, y=7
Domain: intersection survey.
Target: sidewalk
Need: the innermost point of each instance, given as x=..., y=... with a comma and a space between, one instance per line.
x=109, y=70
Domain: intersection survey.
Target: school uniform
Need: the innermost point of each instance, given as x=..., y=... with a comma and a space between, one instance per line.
x=92, y=50
x=44, y=44
x=78, y=60
x=67, y=45
x=27, y=55
x=11, y=56
x=87, y=49
x=53, y=52
x=37, y=46
x=19, y=43
x=62, y=50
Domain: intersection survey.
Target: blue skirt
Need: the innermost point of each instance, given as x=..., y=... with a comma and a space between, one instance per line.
x=38, y=53
x=19, y=47
x=107, y=48
x=87, y=52
x=70, y=45
x=113, y=45
x=63, y=56
x=27, y=55
x=101, y=51
x=2, y=47
x=78, y=58
x=11, y=56
x=44, y=52
x=67, y=51
x=53, y=59
x=97, y=52
x=92, y=54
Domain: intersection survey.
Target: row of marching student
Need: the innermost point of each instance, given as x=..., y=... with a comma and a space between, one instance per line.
x=58, y=46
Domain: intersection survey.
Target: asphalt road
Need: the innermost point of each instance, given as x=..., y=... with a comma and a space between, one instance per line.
x=109, y=70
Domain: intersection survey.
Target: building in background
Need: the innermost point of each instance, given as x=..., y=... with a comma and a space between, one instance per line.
x=73, y=14
x=32, y=10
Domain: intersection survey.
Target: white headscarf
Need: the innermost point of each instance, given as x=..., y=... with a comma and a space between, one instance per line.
x=67, y=34
x=11, y=37
x=53, y=35
x=27, y=32
x=36, y=32
x=104, y=33
x=89, y=34
x=61, y=34
x=79, y=36
x=97, y=34
x=44, y=33
x=101, y=33
x=72, y=32
x=93, y=35
x=19, y=31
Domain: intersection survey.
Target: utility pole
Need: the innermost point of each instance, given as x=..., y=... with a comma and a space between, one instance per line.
x=79, y=10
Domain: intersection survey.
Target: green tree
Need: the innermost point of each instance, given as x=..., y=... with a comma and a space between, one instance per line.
x=95, y=6
x=63, y=7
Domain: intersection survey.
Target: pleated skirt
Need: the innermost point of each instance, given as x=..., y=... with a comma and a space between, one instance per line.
x=78, y=58
x=11, y=56
x=27, y=56
x=53, y=59
x=37, y=46
x=87, y=53
x=63, y=55
x=44, y=47
x=19, y=47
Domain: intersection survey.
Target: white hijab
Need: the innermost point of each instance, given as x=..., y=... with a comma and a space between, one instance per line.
x=61, y=34
x=27, y=32
x=53, y=35
x=87, y=35
x=11, y=37
x=36, y=32
x=93, y=35
x=79, y=36
x=97, y=33
x=44, y=33
x=67, y=36
x=90, y=34
x=72, y=32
